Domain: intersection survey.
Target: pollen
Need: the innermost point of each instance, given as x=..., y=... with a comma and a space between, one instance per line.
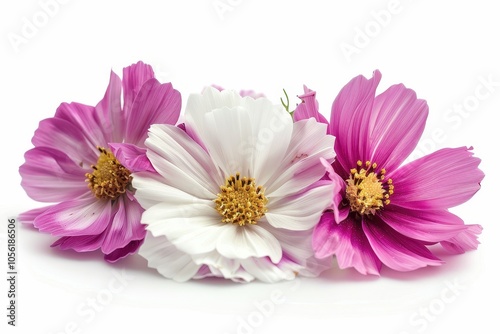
x=367, y=190
x=240, y=201
x=110, y=178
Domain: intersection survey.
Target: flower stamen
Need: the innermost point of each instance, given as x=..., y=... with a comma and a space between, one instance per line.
x=240, y=201
x=110, y=178
x=367, y=191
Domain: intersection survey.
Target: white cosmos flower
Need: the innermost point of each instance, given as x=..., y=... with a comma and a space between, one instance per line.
x=237, y=194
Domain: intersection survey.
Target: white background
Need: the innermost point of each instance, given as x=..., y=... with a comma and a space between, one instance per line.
x=444, y=51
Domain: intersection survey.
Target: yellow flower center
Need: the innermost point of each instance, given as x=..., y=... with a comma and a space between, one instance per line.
x=367, y=191
x=110, y=178
x=240, y=201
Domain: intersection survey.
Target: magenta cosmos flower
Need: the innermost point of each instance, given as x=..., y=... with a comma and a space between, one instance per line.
x=388, y=213
x=74, y=163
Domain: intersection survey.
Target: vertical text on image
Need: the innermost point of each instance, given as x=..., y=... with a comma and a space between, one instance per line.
x=12, y=272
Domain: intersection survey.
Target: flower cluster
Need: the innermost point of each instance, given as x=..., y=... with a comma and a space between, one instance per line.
x=242, y=190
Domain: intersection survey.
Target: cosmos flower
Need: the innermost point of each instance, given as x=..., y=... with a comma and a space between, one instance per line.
x=237, y=194
x=389, y=213
x=74, y=164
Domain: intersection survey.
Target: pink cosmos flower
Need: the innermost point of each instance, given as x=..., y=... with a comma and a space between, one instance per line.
x=388, y=213
x=74, y=163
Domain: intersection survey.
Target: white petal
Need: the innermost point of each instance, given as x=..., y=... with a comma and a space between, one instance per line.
x=298, y=254
x=301, y=166
x=198, y=105
x=272, y=130
x=266, y=271
x=295, y=244
x=242, y=276
x=182, y=162
x=241, y=242
x=314, y=267
x=194, y=228
x=224, y=136
x=211, y=98
x=151, y=190
x=167, y=259
x=241, y=134
x=300, y=212
x=223, y=266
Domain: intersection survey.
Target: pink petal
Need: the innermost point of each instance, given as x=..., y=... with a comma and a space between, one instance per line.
x=309, y=107
x=350, y=120
x=396, y=250
x=132, y=157
x=109, y=109
x=82, y=216
x=134, y=76
x=398, y=120
x=66, y=137
x=81, y=243
x=219, y=88
x=464, y=241
x=155, y=104
x=347, y=241
x=338, y=194
x=29, y=217
x=125, y=227
x=85, y=118
x=203, y=272
x=441, y=180
x=182, y=126
x=120, y=253
x=49, y=175
x=251, y=93
x=425, y=225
